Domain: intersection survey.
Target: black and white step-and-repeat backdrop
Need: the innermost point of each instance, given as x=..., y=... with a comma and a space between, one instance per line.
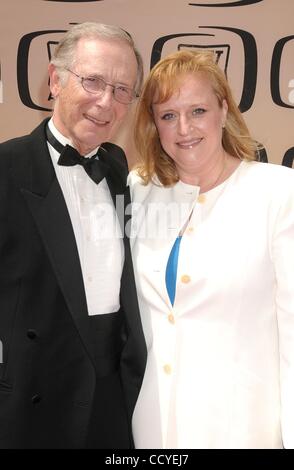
x=253, y=41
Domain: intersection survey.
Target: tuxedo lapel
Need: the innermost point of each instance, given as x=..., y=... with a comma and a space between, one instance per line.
x=46, y=203
x=129, y=302
x=116, y=179
x=120, y=192
x=115, y=158
x=54, y=225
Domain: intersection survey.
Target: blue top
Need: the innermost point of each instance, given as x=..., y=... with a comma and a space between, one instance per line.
x=171, y=270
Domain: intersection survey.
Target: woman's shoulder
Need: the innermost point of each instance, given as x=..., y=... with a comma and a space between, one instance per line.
x=271, y=181
x=138, y=188
x=134, y=178
x=271, y=172
x=142, y=191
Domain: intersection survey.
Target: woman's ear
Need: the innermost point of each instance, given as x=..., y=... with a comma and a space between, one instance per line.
x=225, y=112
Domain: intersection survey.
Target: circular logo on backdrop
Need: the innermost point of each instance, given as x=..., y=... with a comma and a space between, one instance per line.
x=288, y=159
x=238, y=3
x=77, y=1
x=282, y=73
x=36, y=47
x=229, y=46
x=1, y=87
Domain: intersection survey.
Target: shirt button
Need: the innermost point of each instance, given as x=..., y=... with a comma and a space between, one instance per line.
x=185, y=279
x=190, y=229
x=167, y=369
x=31, y=334
x=171, y=318
x=36, y=399
x=201, y=198
x=90, y=279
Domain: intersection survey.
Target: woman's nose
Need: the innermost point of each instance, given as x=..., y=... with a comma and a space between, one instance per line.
x=184, y=125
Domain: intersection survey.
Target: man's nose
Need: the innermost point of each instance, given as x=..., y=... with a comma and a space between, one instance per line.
x=106, y=97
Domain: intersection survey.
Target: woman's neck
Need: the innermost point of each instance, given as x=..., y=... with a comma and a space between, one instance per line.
x=212, y=176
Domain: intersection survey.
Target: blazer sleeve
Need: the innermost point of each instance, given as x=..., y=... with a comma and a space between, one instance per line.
x=283, y=257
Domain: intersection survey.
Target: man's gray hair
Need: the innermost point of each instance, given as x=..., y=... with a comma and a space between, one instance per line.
x=64, y=54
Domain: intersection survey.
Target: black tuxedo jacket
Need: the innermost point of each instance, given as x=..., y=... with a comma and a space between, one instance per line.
x=57, y=361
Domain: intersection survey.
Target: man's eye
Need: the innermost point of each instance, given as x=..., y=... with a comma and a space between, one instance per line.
x=122, y=89
x=91, y=83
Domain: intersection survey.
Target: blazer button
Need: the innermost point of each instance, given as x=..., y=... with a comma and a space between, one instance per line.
x=167, y=369
x=32, y=334
x=185, y=279
x=201, y=199
x=171, y=318
x=36, y=399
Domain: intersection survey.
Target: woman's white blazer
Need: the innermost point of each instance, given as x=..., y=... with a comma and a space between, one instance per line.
x=220, y=369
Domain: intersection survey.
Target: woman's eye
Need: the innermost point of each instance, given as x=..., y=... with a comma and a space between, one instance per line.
x=167, y=116
x=198, y=111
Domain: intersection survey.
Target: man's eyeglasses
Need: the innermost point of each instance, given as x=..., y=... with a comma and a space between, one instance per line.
x=97, y=86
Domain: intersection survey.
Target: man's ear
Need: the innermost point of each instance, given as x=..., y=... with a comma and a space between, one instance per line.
x=54, y=81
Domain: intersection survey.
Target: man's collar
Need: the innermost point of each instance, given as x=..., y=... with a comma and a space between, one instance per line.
x=64, y=140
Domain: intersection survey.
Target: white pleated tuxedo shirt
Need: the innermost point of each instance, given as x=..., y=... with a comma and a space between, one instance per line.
x=220, y=368
x=97, y=231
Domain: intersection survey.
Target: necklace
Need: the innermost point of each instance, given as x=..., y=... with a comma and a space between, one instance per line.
x=213, y=185
x=218, y=178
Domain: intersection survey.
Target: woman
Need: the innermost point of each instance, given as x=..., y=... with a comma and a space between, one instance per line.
x=213, y=248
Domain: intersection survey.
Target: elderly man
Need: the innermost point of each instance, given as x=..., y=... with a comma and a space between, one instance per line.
x=73, y=348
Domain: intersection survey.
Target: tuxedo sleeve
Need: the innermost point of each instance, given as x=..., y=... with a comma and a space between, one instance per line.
x=8, y=282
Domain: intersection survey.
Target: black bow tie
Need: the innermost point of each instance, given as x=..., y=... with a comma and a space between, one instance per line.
x=109, y=161
x=95, y=168
x=69, y=156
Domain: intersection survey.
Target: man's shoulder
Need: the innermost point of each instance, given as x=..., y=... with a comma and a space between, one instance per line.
x=10, y=150
x=17, y=145
x=12, y=143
